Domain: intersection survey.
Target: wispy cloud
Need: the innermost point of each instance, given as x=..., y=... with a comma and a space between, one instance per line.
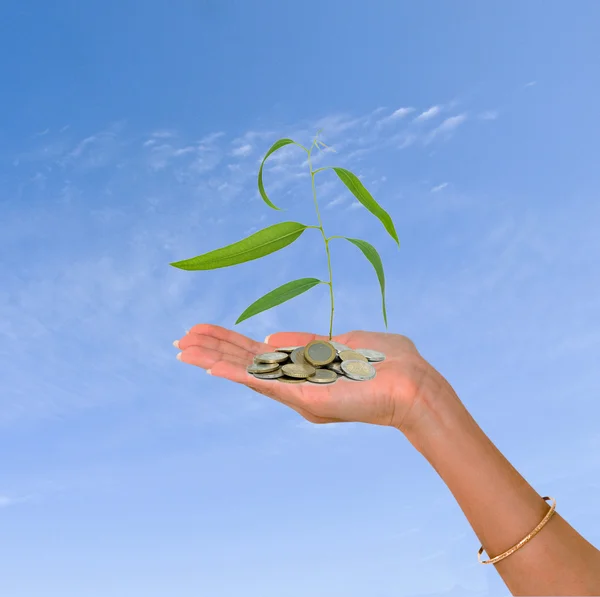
x=242, y=151
x=395, y=116
x=530, y=84
x=97, y=150
x=211, y=138
x=189, y=160
x=452, y=123
x=336, y=124
x=447, y=127
x=439, y=187
x=401, y=113
x=337, y=201
x=428, y=114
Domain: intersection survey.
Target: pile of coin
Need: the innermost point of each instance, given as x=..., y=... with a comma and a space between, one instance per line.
x=319, y=361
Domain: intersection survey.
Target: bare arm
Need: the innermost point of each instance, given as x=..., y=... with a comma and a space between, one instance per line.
x=501, y=507
x=410, y=395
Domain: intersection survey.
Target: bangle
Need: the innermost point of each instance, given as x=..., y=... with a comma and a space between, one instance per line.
x=524, y=540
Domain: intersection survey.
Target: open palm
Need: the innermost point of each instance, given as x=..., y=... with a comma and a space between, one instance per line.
x=384, y=400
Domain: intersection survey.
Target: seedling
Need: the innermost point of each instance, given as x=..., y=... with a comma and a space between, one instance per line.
x=278, y=236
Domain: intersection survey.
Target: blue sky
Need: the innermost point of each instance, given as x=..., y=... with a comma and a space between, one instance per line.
x=130, y=138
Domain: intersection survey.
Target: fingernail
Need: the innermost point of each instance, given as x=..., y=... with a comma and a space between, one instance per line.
x=208, y=371
x=267, y=339
x=187, y=331
x=176, y=343
x=179, y=356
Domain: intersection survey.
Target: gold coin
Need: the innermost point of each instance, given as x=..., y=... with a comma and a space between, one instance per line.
x=285, y=379
x=295, y=370
x=319, y=352
x=262, y=367
x=271, y=357
x=351, y=355
x=323, y=376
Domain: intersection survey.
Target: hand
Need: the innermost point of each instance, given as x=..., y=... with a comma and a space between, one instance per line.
x=392, y=398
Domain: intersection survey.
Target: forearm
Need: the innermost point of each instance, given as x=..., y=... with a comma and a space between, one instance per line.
x=501, y=507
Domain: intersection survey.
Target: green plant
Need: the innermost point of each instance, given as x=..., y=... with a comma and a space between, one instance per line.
x=278, y=236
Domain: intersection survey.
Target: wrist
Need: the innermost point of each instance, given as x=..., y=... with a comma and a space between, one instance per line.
x=436, y=410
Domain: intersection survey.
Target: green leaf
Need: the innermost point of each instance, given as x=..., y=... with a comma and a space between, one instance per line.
x=279, y=295
x=372, y=255
x=261, y=188
x=259, y=244
x=360, y=192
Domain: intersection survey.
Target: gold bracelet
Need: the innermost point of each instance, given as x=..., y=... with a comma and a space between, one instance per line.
x=524, y=540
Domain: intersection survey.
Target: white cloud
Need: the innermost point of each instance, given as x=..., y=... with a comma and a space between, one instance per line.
x=184, y=151
x=530, y=84
x=439, y=187
x=452, y=123
x=447, y=127
x=83, y=144
x=336, y=124
x=211, y=138
x=97, y=150
x=399, y=114
x=202, y=157
x=242, y=151
x=428, y=114
x=488, y=115
x=337, y=201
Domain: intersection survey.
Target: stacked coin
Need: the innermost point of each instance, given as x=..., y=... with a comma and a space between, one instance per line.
x=319, y=361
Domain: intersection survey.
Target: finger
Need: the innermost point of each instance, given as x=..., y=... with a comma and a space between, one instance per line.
x=234, y=369
x=281, y=339
x=212, y=343
x=221, y=333
x=207, y=358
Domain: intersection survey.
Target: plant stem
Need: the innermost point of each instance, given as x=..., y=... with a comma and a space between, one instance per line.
x=312, y=178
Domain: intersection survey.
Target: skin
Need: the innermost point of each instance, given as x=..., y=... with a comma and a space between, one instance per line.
x=409, y=395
